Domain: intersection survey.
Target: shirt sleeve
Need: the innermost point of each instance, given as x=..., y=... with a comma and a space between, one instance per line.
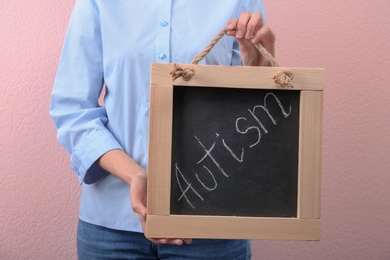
x=74, y=107
x=250, y=6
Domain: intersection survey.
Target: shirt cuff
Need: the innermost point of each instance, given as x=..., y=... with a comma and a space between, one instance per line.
x=86, y=154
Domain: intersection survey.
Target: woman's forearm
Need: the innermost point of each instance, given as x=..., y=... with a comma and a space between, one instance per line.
x=120, y=164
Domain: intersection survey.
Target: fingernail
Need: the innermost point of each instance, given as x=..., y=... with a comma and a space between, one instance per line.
x=239, y=34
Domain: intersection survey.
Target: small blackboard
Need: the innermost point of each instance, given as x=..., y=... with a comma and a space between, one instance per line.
x=234, y=155
x=234, y=152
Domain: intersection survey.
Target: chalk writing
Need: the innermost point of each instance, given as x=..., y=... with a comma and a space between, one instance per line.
x=179, y=175
x=203, y=184
x=208, y=154
x=252, y=124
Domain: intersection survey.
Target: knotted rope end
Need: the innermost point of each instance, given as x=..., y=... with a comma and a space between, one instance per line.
x=284, y=79
x=179, y=71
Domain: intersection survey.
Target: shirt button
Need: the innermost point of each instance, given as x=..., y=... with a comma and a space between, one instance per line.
x=162, y=56
x=164, y=23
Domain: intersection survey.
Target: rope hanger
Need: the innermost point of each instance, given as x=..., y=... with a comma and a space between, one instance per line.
x=283, y=78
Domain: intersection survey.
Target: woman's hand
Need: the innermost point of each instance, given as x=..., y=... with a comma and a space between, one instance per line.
x=118, y=163
x=250, y=29
x=138, y=202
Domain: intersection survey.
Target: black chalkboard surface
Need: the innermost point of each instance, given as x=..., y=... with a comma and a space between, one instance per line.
x=234, y=152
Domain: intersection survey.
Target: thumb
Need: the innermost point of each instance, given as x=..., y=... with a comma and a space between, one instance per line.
x=246, y=45
x=140, y=210
x=138, y=207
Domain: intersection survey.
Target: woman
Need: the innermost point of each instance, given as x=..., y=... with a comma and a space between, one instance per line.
x=113, y=43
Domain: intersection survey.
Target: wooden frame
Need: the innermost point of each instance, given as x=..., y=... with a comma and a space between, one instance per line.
x=160, y=223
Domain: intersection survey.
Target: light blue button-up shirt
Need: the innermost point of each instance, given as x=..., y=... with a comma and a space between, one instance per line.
x=114, y=43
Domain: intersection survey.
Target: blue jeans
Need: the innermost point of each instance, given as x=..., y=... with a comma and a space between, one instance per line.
x=95, y=242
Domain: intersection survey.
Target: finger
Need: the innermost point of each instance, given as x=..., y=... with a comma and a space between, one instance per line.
x=231, y=27
x=175, y=241
x=170, y=241
x=187, y=240
x=141, y=213
x=242, y=23
x=138, y=201
x=264, y=35
x=254, y=24
x=158, y=240
x=267, y=38
x=140, y=210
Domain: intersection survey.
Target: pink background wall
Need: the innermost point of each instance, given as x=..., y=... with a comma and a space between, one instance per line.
x=350, y=39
